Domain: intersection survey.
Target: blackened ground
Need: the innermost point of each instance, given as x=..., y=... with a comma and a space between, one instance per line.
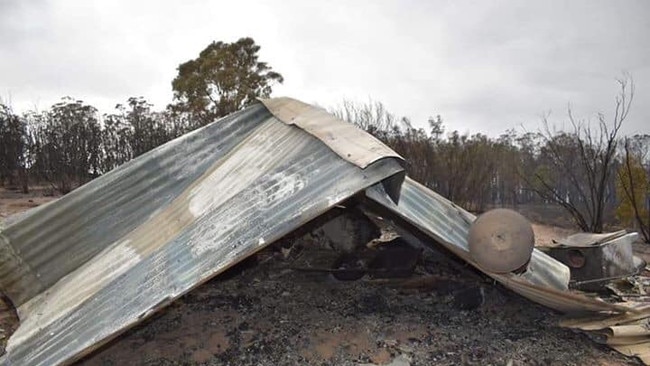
x=270, y=315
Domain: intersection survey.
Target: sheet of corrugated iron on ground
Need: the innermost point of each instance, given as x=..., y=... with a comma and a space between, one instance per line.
x=85, y=268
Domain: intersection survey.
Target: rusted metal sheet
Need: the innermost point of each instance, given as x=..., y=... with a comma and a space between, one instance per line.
x=85, y=268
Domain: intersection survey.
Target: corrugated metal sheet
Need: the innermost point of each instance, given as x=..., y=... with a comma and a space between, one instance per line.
x=626, y=333
x=52, y=240
x=359, y=149
x=545, y=280
x=88, y=266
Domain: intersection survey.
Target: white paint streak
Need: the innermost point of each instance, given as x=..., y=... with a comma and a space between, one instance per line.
x=252, y=161
x=245, y=164
x=283, y=186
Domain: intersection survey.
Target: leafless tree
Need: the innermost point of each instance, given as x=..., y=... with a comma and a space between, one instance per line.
x=580, y=163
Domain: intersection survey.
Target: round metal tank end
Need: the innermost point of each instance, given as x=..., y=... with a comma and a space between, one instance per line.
x=501, y=241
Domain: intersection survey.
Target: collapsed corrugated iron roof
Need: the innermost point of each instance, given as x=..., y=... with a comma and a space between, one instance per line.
x=85, y=268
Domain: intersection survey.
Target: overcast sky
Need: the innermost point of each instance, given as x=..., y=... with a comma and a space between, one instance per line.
x=484, y=66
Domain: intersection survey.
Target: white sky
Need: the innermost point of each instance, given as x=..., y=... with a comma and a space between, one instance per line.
x=484, y=66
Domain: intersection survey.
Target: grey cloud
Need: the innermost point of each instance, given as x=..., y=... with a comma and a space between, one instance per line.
x=484, y=66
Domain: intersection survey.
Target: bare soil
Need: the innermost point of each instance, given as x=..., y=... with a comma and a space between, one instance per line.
x=13, y=201
x=264, y=313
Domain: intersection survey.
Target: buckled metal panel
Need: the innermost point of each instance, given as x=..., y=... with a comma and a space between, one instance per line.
x=85, y=268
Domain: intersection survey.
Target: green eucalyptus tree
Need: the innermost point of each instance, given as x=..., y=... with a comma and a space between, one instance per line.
x=225, y=78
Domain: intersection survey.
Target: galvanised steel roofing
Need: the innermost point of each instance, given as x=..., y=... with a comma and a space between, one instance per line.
x=86, y=267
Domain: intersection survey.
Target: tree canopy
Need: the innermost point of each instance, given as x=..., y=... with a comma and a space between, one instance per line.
x=225, y=78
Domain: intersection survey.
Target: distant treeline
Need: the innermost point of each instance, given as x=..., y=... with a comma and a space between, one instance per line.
x=71, y=143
